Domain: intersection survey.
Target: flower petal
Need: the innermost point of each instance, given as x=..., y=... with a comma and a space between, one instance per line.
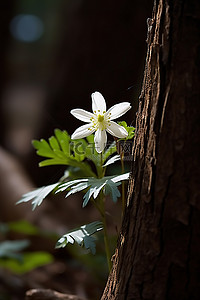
x=82, y=114
x=100, y=139
x=117, y=130
x=98, y=103
x=118, y=110
x=83, y=131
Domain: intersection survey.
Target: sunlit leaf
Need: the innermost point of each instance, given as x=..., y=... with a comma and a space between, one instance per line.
x=43, y=148
x=94, y=190
x=118, y=178
x=82, y=236
x=61, y=150
x=54, y=143
x=107, y=184
x=112, y=160
x=64, y=140
x=38, y=195
x=66, y=185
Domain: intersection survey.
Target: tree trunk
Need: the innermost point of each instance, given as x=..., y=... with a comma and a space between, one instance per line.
x=157, y=256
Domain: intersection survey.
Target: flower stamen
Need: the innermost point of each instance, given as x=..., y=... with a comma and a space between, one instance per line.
x=100, y=118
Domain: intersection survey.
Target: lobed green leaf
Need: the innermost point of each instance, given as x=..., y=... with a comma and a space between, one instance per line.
x=108, y=184
x=64, y=140
x=61, y=150
x=38, y=195
x=82, y=236
x=129, y=129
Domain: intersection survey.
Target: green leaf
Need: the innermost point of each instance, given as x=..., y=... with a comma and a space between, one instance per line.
x=111, y=189
x=38, y=195
x=95, y=185
x=90, y=139
x=92, y=154
x=64, y=140
x=112, y=160
x=54, y=143
x=82, y=236
x=121, y=177
x=79, y=149
x=24, y=227
x=10, y=249
x=89, y=243
x=112, y=149
x=57, y=148
x=53, y=161
x=43, y=148
x=61, y=150
x=66, y=185
x=30, y=261
x=129, y=129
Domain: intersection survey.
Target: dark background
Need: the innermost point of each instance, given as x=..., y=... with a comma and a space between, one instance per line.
x=85, y=46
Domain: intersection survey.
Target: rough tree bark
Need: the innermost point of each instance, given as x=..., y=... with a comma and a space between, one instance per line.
x=158, y=250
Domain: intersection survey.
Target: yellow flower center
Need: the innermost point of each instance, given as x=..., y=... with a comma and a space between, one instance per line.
x=100, y=118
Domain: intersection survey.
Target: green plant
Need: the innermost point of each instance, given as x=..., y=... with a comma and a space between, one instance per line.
x=87, y=157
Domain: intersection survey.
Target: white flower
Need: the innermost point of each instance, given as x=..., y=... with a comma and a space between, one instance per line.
x=100, y=121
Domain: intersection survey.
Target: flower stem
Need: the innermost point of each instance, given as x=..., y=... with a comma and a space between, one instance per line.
x=123, y=183
x=101, y=155
x=107, y=249
x=101, y=208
